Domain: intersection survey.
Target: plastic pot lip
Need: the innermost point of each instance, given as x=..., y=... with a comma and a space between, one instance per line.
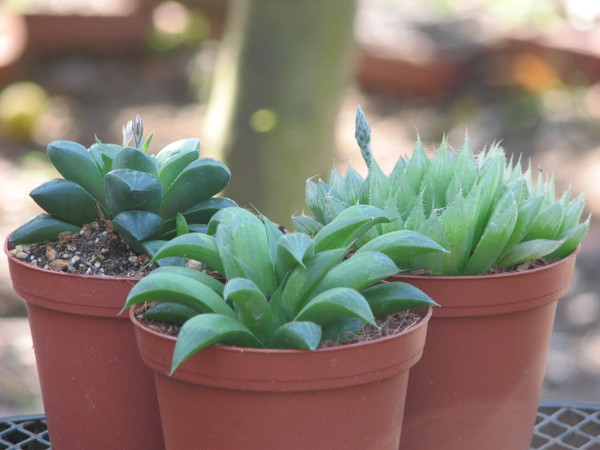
x=488, y=295
x=8, y=246
x=285, y=370
x=496, y=276
x=252, y=350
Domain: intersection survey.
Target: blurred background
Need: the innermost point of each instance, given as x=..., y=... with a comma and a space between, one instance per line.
x=271, y=88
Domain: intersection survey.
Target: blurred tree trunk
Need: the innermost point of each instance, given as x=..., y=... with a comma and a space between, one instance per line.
x=281, y=71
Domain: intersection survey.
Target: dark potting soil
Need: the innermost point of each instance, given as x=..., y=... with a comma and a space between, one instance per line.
x=96, y=250
x=386, y=326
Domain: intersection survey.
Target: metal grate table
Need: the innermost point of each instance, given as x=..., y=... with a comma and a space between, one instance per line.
x=559, y=426
x=567, y=426
x=24, y=432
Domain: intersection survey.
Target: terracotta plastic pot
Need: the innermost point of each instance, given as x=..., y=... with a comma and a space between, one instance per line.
x=96, y=391
x=479, y=382
x=349, y=396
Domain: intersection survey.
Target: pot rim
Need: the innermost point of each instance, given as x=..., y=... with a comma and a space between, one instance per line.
x=285, y=370
x=494, y=276
x=425, y=316
x=486, y=295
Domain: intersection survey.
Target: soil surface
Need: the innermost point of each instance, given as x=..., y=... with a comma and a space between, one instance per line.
x=96, y=250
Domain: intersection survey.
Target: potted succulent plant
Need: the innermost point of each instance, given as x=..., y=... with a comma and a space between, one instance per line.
x=247, y=368
x=96, y=391
x=511, y=256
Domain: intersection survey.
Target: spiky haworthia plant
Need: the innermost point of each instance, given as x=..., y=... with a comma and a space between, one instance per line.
x=483, y=208
x=281, y=290
x=148, y=198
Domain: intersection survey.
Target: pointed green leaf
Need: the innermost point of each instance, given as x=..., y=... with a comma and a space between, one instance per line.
x=181, y=225
x=202, y=211
x=392, y=297
x=527, y=212
x=104, y=155
x=135, y=159
x=306, y=224
x=198, y=246
x=292, y=249
x=175, y=157
x=330, y=204
x=244, y=235
x=146, y=144
x=458, y=222
x=252, y=307
x=315, y=200
x=274, y=233
x=548, y=223
x=488, y=185
x=416, y=217
x=276, y=305
x=296, y=335
x=352, y=186
x=130, y=189
x=224, y=240
x=571, y=240
x=207, y=329
x=337, y=182
x=376, y=188
x=572, y=213
x=404, y=197
x=434, y=229
x=200, y=180
x=348, y=226
x=180, y=289
x=303, y=279
x=75, y=163
x=136, y=226
x=358, y=272
x=398, y=174
x=495, y=236
x=334, y=304
x=151, y=247
x=199, y=214
x=198, y=228
x=464, y=166
x=214, y=222
x=170, y=313
x=402, y=244
x=66, y=201
x=340, y=329
x=528, y=251
x=453, y=191
x=198, y=275
x=437, y=178
x=41, y=228
x=417, y=166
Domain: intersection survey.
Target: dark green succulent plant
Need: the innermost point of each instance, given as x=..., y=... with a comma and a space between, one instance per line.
x=281, y=290
x=483, y=208
x=148, y=198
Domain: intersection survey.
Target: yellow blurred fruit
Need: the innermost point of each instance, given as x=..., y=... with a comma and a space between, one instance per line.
x=21, y=103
